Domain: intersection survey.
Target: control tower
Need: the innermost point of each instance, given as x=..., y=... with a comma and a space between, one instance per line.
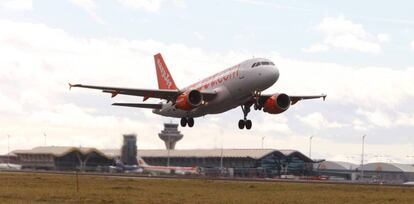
x=170, y=135
x=129, y=150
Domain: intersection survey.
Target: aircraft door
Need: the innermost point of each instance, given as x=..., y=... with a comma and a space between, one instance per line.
x=241, y=73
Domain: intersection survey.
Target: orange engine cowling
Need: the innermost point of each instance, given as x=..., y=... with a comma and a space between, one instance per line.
x=189, y=100
x=276, y=104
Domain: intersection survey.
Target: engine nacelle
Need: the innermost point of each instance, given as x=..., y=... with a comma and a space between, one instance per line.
x=189, y=100
x=276, y=104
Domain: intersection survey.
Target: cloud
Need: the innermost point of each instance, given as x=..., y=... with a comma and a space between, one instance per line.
x=17, y=5
x=318, y=121
x=383, y=119
x=365, y=86
x=276, y=124
x=341, y=33
x=150, y=5
x=377, y=118
x=316, y=48
x=405, y=119
x=90, y=7
x=383, y=38
x=359, y=125
x=270, y=4
x=412, y=44
x=38, y=61
x=199, y=36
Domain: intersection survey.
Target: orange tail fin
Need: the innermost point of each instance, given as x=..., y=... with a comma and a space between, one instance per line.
x=165, y=80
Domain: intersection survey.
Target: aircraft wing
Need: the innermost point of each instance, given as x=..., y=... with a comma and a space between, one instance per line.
x=295, y=99
x=140, y=105
x=167, y=94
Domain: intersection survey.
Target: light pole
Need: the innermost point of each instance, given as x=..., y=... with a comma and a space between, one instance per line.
x=168, y=150
x=362, y=158
x=8, y=150
x=310, y=146
x=263, y=137
x=44, y=134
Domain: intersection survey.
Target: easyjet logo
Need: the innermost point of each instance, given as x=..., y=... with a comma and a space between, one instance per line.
x=164, y=74
x=217, y=79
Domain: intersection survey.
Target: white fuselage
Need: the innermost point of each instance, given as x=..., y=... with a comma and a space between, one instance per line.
x=170, y=170
x=234, y=87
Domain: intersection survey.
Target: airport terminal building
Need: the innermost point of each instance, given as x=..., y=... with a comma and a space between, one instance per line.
x=235, y=162
x=62, y=158
x=264, y=163
x=377, y=172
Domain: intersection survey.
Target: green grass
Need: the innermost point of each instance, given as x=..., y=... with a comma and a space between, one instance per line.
x=43, y=188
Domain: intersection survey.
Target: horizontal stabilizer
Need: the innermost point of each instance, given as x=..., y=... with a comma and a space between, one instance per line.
x=140, y=105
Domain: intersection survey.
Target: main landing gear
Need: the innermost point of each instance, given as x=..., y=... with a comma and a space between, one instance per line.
x=244, y=122
x=187, y=121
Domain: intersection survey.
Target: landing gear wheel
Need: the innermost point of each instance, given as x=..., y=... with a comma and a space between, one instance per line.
x=248, y=124
x=183, y=122
x=190, y=122
x=241, y=124
x=244, y=122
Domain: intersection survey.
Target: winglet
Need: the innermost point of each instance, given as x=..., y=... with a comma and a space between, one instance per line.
x=324, y=97
x=70, y=86
x=115, y=93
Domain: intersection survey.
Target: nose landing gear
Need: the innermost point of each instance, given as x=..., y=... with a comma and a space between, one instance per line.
x=245, y=122
x=258, y=105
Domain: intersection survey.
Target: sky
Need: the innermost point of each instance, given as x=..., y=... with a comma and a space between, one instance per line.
x=359, y=53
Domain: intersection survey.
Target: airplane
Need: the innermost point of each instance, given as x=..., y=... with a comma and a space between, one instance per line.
x=8, y=166
x=120, y=167
x=240, y=85
x=156, y=170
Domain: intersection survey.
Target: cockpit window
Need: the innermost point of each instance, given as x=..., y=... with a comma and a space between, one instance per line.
x=262, y=63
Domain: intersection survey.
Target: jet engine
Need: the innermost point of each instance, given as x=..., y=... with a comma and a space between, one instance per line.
x=189, y=100
x=276, y=104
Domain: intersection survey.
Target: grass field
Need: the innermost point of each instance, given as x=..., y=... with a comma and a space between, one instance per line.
x=44, y=188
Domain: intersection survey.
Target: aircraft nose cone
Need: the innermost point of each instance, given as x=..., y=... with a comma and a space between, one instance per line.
x=268, y=76
x=272, y=75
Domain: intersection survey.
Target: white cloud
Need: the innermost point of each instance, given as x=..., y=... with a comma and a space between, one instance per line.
x=383, y=38
x=318, y=121
x=380, y=118
x=269, y=4
x=317, y=48
x=359, y=125
x=275, y=124
x=21, y=5
x=412, y=44
x=150, y=5
x=90, y=7
x=341, y=33
x=199, y=36
x=38, y=61
x=364, y=87
x=405, y=119
x=377, y=118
